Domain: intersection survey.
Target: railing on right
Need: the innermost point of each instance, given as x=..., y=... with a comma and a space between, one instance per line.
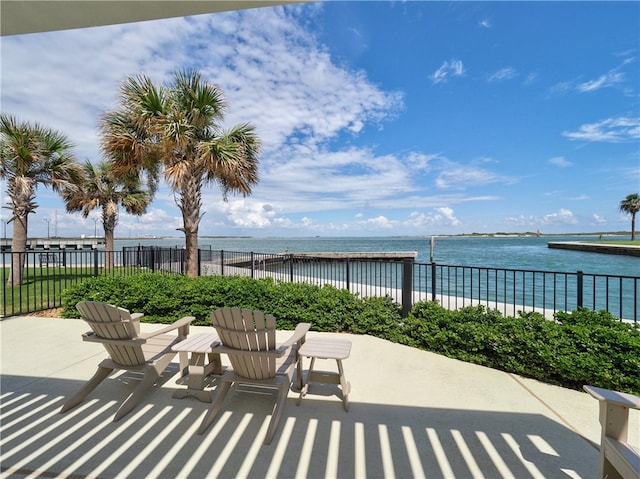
x=510, y=290
x=407, y=282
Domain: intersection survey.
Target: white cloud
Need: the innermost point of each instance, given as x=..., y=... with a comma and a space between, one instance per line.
x=562, y=216
x=455, y=176
x=611, y=130
x=450, y=68
x=603, y=81
x=379, y=222
x=422, y=162
x=443, y=216
x=503, y=74
x=596, y=219
x=560, y=161
x=243, y=213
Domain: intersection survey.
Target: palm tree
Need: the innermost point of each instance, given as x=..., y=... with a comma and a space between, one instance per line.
x=31, y=155
x=631, y=205
x=176, y=130
x=103, y=189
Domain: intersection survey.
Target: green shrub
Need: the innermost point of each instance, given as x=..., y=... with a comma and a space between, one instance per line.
x=165, y=298
x=579, y=347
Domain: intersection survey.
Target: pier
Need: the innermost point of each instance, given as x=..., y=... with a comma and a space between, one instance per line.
x=264, y=260
x=44, y=244
x=623, y=249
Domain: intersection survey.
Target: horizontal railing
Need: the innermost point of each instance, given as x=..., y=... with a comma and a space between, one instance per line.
x=507, y=290
x=48, y=273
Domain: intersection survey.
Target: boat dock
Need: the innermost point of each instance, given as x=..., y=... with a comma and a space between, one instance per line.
x=325, y=256
x=608, y=248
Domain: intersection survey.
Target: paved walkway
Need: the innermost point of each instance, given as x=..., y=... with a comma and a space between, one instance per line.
x=412, y=414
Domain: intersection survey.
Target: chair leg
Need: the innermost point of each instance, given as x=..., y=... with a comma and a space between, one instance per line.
x=100, y=375
x=221, y=394
x=150, y=377
x=277, y=412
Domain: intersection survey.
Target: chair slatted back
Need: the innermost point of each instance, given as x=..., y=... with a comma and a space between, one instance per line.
x=247, y=330
x=112, y=323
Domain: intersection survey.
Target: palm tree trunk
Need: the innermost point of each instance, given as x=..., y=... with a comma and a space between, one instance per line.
x=191, y=244
x=633, y=226
x=109, y=248
x=109, y=222
x=190, y=203
x=18, y=249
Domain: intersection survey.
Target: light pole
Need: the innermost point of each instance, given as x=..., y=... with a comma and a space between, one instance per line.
x=48, y=220
x=95, y=227
x=4, y=234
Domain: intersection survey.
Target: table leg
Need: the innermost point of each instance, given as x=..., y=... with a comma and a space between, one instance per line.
x=345, y=385
x=198, y=371
x=305, y=384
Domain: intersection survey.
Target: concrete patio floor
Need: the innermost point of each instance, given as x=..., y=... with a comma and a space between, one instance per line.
x=412, y=414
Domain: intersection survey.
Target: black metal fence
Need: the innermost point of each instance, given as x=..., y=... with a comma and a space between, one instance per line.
x=47, y=274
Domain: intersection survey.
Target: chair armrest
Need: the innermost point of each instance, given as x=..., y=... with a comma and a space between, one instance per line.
x=91, y=337
x=276, y=353
x=135, y=321
x=182, y=324
x=614, y=397
x=298, y=335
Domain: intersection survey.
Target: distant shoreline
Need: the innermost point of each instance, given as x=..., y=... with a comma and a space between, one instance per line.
x=457, y=235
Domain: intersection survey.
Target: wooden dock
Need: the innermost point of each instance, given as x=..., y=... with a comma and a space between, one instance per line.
x=362, y=256
x=324, y=257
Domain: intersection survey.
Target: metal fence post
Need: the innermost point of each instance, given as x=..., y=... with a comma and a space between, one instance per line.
x=253, y=269
x=291, y=268
x=433, y=281
x=221, y=262
x=407, y=286
x=347, y=263
x=95, y=262
x=579, y=289
x=199, y=265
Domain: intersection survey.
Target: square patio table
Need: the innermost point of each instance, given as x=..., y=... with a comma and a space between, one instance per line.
x=203, y=362
x=326, y=348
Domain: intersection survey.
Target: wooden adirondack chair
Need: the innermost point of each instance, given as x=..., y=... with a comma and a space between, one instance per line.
x=119, y=332
x=249, y=339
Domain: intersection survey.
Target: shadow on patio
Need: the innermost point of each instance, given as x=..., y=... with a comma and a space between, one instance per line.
x=412, y=414
x=316, y=439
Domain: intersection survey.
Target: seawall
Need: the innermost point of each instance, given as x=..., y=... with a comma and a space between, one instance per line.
x=597, y=248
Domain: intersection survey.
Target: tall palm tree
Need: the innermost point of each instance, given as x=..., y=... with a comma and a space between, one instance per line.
x=102, y=189
x=176, y=130
x=631, y=205
x=31, y=155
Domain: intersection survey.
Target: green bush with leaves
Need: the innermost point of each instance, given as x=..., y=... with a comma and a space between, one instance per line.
x=165, y=298
x=579, y=347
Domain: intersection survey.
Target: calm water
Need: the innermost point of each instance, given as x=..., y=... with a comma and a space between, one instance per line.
x=528, y=253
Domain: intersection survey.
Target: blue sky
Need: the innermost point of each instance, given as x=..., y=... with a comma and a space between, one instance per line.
x=377, y=118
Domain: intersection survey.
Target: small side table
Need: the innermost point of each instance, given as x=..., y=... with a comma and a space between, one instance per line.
x=328, y=348
x=203, y=361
